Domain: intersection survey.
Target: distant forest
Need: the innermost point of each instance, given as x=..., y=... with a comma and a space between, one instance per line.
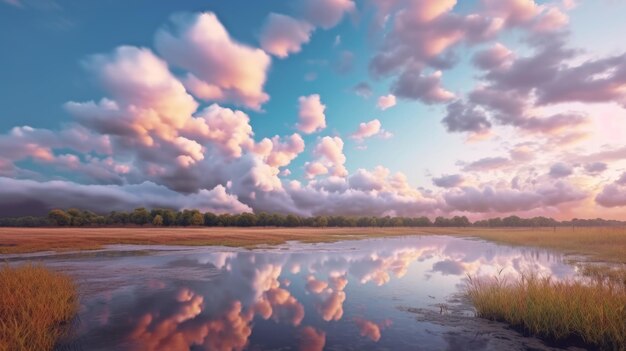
x=186, y=218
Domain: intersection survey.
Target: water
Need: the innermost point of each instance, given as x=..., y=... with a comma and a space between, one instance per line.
x=387, y=294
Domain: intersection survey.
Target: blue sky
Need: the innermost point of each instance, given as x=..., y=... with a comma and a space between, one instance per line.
x=46, y=64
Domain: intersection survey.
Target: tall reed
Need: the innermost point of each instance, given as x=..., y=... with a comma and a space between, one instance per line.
x=592, y=313
x=37, y=306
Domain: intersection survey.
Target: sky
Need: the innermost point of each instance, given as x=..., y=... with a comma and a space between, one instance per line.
x=480, y=108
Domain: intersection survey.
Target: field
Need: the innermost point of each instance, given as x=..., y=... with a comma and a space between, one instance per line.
x=37, y=306
x=601, y=244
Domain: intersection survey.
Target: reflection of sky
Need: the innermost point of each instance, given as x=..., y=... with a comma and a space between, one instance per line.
x=345, y=294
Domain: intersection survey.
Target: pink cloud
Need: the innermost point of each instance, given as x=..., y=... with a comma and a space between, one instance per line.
x=614, y=194
x=281, y=153
x=448, y=181
x=387, y=101
x=229, y=70
x=312, y=339
x=313, y=169
x=368, y=329
x=493, y=57
x=326, y=13
x=315, y=286
x=311, y=114
x=515, y=12
x=370, y=129
x=330, y=152
x=462, y=117
x=422, y=32
x=283, y=35
x=413, y=84
x=489, y=199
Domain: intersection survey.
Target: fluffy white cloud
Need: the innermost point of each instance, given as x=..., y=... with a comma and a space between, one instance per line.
x=220, y=68
x=386, y=101
x=326, y=13
x=370, y=129
x=329, y=151
x=283, y=35
x=311, y=117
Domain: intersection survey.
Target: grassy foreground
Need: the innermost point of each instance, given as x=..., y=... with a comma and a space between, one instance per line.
x=593, y=315
x=36, y=307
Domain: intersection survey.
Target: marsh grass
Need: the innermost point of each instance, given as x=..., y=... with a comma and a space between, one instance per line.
x=591, y=313
x=37, y=306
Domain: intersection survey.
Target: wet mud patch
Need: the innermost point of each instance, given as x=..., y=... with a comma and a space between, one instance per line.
x=463, y=330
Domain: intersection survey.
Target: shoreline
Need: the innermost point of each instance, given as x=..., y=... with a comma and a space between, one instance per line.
x=606, y=244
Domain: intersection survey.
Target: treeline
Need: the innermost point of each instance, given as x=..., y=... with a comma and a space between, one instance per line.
x=185, y=218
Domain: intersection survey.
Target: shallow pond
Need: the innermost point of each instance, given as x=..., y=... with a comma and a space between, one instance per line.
x=388, y=294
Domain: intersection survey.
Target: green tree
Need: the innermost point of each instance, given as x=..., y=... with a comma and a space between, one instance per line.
x=321, y=221
x=140, y=216
x=157, y=220
x=292, y=221
x=197, y=218
x=210, y=219
x=246, y=220
x=59, y=218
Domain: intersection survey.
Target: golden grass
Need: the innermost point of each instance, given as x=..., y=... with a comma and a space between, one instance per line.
x=606, y=244
x=602, y=244
x=36, y=307
x=560, y=311
x=22, y=240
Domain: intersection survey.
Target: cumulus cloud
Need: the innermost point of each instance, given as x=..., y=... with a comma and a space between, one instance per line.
x=364, y=193
x=614, y=194
x=423, y=33
x=28, y=197
x=448, y=181
x=561, y=170
x=312, y=339
x=283, y=35
x=313, y=169
x=329, y=151
x=487, y=164
x=595, y=168
x=490, y=199
x=386, y=101
x=221, y=69
x=280, y=153
x=461, y=117
x=527, y=13
x=370, y=129
x=368, y=329
x=494, y=57
x=311, y=117
x=326, y=13
x=413, y=84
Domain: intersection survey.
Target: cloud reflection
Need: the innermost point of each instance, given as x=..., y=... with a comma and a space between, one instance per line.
x=258, y=299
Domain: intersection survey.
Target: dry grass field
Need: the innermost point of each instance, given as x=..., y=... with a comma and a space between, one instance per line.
x=593, y=315
x=601, y=244
x=36, y=307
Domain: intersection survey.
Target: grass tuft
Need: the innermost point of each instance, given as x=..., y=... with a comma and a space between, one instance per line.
x=37, y=306
x=592, y=313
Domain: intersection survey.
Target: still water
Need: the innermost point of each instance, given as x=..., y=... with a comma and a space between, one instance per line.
x=381, y=294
